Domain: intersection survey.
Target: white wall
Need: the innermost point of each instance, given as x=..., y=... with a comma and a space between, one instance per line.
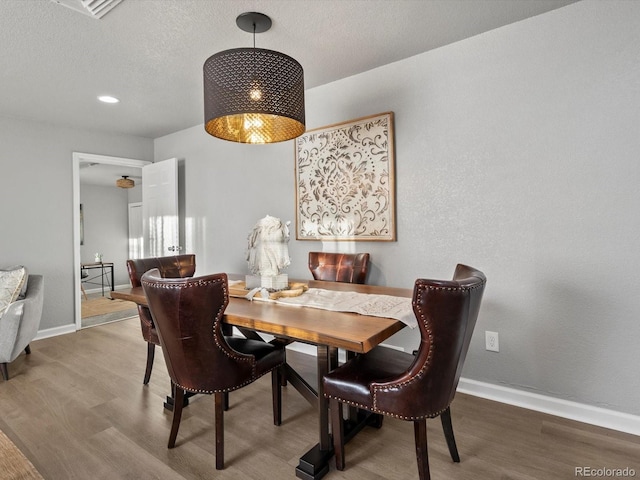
x=517, y=153
x=106, y=229
x=36, y=202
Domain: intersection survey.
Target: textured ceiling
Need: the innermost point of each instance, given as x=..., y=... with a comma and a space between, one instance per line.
x=149, y=53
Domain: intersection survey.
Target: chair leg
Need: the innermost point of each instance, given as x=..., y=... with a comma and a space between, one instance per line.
x=151, y=352
x=375, y=420
x=284, y=342
x=177, y=415
x=5, y=371
x=337, y=430
x=219, y=414
x=276, y=393
x=27, y=349
x=445, y=418
x=225, y=401
x=283, y=373
x=420, y=431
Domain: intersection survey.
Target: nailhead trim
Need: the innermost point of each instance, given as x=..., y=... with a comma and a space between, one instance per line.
x=384, y=412
x=216, y=321
x=425, y=367
x=231, y=389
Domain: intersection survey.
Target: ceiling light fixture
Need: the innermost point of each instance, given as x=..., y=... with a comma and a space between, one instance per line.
x=108, y=99
x=125, y=182
x=253, y=95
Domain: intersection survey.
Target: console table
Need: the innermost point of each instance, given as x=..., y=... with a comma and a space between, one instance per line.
x=105, y=274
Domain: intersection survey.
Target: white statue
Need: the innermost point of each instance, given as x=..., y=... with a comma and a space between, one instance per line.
x=268, y=252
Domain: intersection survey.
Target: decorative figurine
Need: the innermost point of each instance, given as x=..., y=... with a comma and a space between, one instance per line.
x=268, y=254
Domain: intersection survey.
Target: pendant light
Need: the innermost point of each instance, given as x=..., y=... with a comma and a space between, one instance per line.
x=253, y=95
x=125, y=182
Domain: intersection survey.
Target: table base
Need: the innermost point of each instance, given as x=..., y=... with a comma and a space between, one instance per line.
x=170, y=401
x=314, y=464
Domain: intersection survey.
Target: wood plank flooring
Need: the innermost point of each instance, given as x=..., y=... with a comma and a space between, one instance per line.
x=76, y=407
x=98, y=309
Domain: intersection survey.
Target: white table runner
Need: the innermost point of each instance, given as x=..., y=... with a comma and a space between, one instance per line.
x=386, y=306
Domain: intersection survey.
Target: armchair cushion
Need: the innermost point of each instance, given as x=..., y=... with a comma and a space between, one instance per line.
x=12, y=281
x=21, y=320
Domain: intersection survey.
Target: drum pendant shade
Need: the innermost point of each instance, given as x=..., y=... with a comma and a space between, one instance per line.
x=125, y=182
x=253, y=95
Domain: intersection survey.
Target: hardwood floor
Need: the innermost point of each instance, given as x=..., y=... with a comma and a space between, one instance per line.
x=98, y=309
x=76, y=407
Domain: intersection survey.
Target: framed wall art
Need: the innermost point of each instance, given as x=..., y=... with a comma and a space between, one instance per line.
x=345, y=181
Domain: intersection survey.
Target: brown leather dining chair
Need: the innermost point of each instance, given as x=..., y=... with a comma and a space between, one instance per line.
x=339, y=267
x=177, y=266
x=188, y=315
x=408, y=387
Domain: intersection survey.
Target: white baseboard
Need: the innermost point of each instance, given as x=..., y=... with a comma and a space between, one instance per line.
x=312, y=350
x=602, y=417
x=303, y=348
x=55, y=331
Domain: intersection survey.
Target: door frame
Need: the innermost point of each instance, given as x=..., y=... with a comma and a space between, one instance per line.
x=77, y=158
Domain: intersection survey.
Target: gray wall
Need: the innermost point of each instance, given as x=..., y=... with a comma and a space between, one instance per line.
x=106, y=230
x=517, y=153
x=36, y=202
x=135, y=193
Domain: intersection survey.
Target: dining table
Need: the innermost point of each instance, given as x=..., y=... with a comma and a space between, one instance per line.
x=328, y=331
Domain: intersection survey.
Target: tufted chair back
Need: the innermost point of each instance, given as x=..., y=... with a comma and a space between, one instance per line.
x=188, y=314
x=446, y=311
x=177, y=266
x=339, y=267
x=414, y=387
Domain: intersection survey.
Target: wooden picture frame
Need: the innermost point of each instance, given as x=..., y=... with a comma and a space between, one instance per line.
x=345, y=181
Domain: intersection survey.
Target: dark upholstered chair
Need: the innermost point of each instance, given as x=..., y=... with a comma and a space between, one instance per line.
x=408, y=387
x=339, y=267
x=178, y=266
x=188, y=316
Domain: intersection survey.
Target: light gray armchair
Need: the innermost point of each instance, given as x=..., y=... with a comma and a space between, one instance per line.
x=20, y=322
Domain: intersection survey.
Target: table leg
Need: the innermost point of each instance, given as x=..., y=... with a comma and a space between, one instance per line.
x=102, y=278
x=323, y=404
x=314, y=464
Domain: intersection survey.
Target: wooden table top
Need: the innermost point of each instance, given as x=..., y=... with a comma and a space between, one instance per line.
x=351, y=331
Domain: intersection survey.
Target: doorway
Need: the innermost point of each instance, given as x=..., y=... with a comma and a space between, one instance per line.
x=77, y=160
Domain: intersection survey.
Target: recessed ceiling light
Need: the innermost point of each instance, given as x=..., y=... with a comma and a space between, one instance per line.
x=108, y=99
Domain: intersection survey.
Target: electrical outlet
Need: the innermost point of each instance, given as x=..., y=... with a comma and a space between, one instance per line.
x=491, y=341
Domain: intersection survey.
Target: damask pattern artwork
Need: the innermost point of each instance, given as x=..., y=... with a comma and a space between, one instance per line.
x=345, y=181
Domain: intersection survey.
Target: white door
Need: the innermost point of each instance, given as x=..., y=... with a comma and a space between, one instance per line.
x=136, y=235
x=160, y=209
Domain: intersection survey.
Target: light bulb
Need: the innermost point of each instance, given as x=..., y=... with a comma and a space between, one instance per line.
x=255, y=94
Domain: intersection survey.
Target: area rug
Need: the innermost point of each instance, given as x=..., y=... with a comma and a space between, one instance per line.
x=104, y=305
x=101, y=310
x=13, y=464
